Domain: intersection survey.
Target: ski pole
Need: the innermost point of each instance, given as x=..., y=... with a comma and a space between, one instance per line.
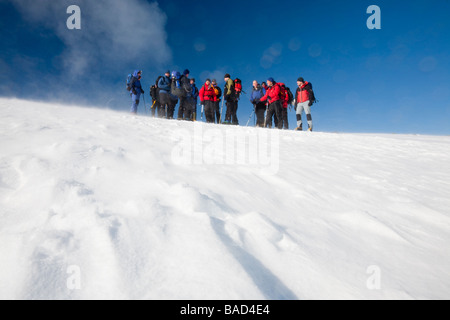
x=221, y=110
x=250, y=118
x=145, y=105
x=265, y=117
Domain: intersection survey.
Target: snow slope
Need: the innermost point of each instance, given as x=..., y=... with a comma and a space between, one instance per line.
x=97, y=204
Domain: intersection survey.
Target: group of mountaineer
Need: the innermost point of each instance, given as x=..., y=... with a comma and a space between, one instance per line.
x=270, y=99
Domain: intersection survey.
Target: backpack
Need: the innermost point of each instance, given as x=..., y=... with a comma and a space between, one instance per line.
x=312, y=97
x=218, y=91
x=290, y=95
x=176, y=88
x=180, y=87
x=282, y=91
x=238, y=87
x=129, y=77
x=176, y=76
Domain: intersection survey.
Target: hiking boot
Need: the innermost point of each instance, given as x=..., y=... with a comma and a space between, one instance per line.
x=299, y=129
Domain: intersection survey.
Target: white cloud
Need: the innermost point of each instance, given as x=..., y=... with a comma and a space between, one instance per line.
x=112, y=32
x=271, y=55
x=116, y=37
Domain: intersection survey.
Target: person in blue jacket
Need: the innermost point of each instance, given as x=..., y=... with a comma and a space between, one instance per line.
x=136, y=90
x=260, y=107
x=164, y=83
x=194, y=100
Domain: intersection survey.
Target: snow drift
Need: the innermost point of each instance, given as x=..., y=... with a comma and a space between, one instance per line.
x=97, y=204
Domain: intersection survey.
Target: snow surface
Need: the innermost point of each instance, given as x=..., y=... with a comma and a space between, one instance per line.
x=99, y=204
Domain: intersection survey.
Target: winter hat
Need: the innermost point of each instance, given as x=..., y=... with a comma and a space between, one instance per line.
x=227, y=76
x=301, y=79
x=168, y=71
x=271, y=80
x=185, y=72
x=214, y=81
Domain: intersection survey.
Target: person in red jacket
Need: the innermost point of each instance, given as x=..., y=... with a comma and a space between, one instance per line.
x=207, y=96
x=275, y=104
x=302, y=103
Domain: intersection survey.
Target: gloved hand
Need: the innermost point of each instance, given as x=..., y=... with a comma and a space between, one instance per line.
x=142, y=91
x=134, y=92
x=310, y=103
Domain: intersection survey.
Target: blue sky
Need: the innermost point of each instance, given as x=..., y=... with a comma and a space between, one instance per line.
x=393, y=80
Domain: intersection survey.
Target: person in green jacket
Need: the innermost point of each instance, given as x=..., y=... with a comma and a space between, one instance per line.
x=231, y=99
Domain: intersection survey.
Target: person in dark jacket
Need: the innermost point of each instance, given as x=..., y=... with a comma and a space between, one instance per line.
x=218, y=99
x=171, y=107
x=156, y=106
x=185, y=109
x=275, y=105
x=284, y=109
x=164, y=83
x=260, y=107
x=136, y=90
